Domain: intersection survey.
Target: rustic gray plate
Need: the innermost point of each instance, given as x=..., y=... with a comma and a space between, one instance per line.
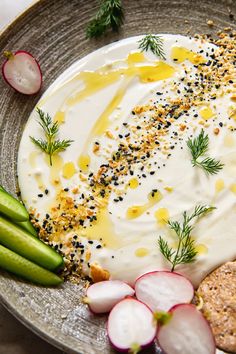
x=54, y=31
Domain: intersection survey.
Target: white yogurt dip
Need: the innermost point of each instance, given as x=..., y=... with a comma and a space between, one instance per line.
x=118, y=95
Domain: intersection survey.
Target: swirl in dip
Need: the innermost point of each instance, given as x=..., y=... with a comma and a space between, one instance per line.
x=108, y=197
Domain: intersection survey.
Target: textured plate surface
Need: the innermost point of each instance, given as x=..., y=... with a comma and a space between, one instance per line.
x=54, y=32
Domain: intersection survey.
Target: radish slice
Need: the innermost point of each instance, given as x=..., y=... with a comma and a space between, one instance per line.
x=187, y=331
x=103, y=296
x=131, y=326
x=22, y=72
x=161, y=290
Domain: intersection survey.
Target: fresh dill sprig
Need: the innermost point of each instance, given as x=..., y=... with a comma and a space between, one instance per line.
x=51, y=145
x=185, y=252
x=154, y=43
x=198, y=147
x=110, y=15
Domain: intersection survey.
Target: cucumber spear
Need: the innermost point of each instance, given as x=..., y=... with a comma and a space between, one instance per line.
x=20, y=266
x=24, y=224
x=28, y=246
x=12, y=208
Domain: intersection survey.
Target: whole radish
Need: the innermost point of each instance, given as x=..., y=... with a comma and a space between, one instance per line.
x=131, y=326
x=22, y=72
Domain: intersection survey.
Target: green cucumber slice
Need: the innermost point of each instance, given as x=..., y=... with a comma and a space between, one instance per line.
x=20, y=266
x=12, y=208
x=24, y=224
x=28, y=246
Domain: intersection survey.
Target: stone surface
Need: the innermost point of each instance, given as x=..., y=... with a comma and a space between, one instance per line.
x=15, y=338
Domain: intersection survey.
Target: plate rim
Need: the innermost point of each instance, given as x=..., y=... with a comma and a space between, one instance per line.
x=9, y=306
x=4, y=31
x=34, y=327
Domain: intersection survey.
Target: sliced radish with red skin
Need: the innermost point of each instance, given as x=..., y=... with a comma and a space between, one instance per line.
x=131, y=326
x=103, y=296
x=161, y=290
x=186, y=332
x=22, y=72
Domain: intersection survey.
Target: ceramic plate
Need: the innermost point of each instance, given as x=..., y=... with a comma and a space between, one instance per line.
x=54, y=31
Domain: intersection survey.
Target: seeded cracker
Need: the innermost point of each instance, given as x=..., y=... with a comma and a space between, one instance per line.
x=218, y=292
